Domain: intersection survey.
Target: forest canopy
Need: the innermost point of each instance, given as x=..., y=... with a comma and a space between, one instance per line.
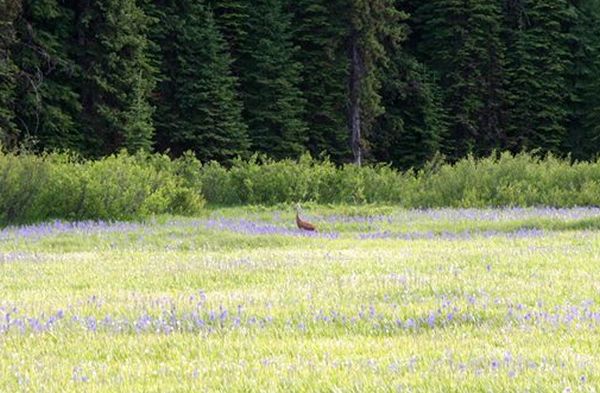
x=355, y=80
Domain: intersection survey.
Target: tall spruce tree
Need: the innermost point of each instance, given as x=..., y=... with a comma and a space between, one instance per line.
x=111, y=48
x=414, y=125
x=321, y=31
x=537, y=72
x=198, y=108
x=9, y=9
x=270, y=79
x=232, y=18
x=461, y=42
x=47, y=103
x=583, y=141
x=375, y=29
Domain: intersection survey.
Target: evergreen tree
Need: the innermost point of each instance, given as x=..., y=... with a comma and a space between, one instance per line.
x=375, y=32
x=278, y=77
x=538, y=64
x=198, y=108
x=321, y=32
x=9, y=9
x=583, y=141
x=461, y=42
x=270, y=80
x=46, y=99
x=232, y=18
x=116, y=75
x=413, y=127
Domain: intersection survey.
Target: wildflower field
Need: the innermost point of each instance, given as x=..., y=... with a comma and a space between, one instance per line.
x=380, y=299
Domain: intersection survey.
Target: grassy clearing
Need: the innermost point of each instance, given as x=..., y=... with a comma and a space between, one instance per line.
x=380, y=300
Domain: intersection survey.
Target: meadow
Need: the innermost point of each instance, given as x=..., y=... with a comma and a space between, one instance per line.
x=381, y=299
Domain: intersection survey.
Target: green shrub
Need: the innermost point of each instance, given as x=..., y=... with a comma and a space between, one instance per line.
x=22, y=180
x=124, y=186
x=499, y=180
x=118, y=187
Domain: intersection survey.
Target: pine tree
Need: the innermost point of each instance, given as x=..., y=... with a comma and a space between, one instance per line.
x=9, y=9
x=537, y=70
x=461, y=42
x=198, y=108
x=116, y=75
x=583, y=141
x=232, y=18
x=375, y=29
x=270, y=80
x=46, y=102
x=321, y=36
x=413, y=127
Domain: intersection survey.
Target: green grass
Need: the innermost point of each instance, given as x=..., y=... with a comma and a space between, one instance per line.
x=513, y=311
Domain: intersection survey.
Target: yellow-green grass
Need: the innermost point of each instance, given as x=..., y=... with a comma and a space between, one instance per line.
x=470, y=301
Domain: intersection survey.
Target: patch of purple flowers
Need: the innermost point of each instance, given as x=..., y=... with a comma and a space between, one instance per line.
x=447, y=235
x=387, y=318
x=250, y=227
x=59, y=227
x=504, y=214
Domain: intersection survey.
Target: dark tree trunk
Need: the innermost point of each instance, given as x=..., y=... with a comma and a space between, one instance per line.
x=356, y=76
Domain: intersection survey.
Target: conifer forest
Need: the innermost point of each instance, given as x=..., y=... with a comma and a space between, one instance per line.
x=394, y=81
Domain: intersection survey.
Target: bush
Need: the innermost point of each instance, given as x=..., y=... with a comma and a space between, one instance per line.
x=22, y=180
x=498, y=180
x=118, y=187
x=123, y=186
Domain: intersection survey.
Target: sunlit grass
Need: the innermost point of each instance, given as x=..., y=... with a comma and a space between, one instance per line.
x=452, y=300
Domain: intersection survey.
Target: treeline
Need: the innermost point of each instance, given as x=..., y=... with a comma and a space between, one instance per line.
x=124, y=186
x=356, y=80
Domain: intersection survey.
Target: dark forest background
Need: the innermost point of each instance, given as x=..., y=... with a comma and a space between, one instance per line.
x=354, y=80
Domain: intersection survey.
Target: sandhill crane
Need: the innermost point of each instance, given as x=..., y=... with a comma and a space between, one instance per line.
x=306, y=226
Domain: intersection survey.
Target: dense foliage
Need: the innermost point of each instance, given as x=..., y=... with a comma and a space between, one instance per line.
x=197, y=107
x=52, y=186
x=497, y=180
x=124, y=186
x=355, y=80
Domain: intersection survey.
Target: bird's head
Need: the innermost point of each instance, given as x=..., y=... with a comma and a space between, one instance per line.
x=297, y=206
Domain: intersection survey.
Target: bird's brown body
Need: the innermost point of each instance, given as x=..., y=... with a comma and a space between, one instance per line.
x=306, y=226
